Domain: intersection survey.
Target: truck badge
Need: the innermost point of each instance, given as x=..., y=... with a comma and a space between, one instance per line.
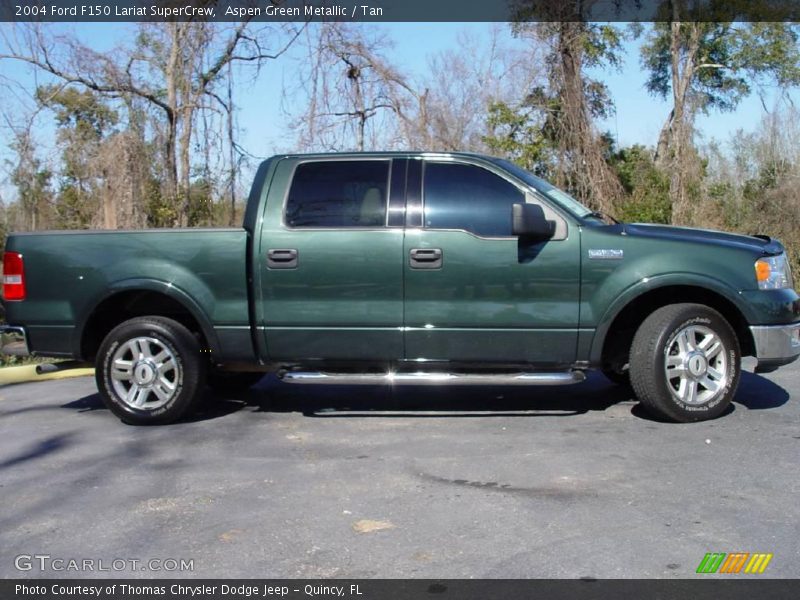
x=606, y=253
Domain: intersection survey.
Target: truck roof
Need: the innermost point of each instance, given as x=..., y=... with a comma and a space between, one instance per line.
x=387, y=153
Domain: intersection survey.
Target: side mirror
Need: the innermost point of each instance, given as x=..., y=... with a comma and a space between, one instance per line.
x=528, y=221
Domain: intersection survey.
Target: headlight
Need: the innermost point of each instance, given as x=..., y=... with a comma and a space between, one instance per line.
x=773, y=273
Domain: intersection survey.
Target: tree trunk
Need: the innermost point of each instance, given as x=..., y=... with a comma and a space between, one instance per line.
x=185, y=144
x=661, y=157
x=171, y=76
x=171, y=165
x=586, y=168
x=674, y=150
x=231, y=147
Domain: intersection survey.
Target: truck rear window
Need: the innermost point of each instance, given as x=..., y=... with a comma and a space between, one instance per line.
x=338, y=193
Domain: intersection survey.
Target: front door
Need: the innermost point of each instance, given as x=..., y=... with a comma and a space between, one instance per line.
x=474, y=292
x=331, y=266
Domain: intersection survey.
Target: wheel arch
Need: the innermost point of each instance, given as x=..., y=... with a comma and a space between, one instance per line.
x=136, y=298
x=623, y=319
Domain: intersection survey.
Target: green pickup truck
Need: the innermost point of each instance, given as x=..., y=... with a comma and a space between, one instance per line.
x=404, y=268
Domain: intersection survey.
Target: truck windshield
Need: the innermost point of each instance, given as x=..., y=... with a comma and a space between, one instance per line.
x=548, y=190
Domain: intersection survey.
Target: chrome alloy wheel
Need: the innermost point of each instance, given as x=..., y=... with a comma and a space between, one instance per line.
x=145, y=373
x=696, y=365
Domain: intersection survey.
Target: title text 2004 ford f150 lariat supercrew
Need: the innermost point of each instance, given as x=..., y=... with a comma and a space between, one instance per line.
x=404, y=268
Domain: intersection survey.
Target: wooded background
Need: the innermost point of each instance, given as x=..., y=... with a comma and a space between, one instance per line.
x=148, y=135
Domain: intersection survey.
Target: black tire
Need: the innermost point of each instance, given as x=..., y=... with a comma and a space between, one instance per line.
x=657, y=345
x=173, y=380
x=223, y=382
x=616, y=377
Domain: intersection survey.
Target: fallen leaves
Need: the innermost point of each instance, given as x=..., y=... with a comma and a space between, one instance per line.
x=369, y=526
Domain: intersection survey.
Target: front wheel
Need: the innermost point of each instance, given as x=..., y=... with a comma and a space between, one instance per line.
x=150, y=371
x=685, y=362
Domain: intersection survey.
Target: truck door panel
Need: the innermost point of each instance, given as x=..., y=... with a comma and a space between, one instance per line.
x=492, y=297
x=331, y=268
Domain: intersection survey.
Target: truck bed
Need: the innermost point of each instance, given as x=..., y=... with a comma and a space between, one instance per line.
x=68, y=273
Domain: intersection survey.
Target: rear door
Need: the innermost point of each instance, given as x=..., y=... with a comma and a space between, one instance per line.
x=331, y=265
x=473, y=291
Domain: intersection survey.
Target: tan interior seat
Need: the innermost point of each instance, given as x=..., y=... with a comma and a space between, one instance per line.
x=372, y=208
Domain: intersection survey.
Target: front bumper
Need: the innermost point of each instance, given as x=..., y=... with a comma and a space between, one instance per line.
x=13, y=341
x=776, y=345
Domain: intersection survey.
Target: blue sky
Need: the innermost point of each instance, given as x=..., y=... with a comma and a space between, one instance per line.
x=639, y=116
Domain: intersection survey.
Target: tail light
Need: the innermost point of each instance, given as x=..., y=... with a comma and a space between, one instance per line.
x=13, y=276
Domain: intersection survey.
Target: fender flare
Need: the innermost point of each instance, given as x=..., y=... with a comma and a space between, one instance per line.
x=691, y=280
x=148, y=285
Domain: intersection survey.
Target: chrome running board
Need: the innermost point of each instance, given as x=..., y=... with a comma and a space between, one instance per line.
x=434, y=378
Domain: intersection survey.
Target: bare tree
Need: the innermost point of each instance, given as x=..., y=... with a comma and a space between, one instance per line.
x=352, y=94
x=29, y=174
x=461, y=85
x=124, y=165
x=173, y=67
x=353, y=97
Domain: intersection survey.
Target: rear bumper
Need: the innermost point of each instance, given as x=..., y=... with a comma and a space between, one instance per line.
x=13, y=341
x=776, y=345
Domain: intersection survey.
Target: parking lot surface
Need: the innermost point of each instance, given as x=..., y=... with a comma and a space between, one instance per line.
x=362, y=482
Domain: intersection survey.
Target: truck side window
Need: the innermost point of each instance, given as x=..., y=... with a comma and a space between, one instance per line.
x=338, y=193
x=467, y=197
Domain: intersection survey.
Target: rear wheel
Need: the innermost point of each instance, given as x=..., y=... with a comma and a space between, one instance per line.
x=685, y=363
x=150, y=371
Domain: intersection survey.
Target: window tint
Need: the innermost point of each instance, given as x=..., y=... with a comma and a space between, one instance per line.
x=338, y=193
x=470, y=198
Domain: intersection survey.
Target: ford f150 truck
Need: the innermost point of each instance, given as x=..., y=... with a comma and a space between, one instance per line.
x=404, y=268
